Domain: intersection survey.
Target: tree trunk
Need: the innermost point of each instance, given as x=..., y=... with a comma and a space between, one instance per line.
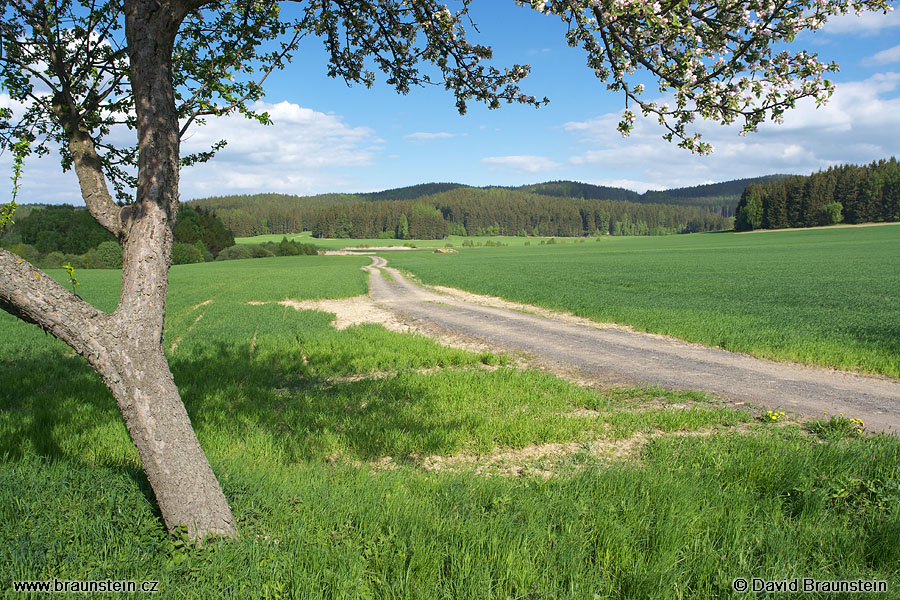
x=186, y=490
x=125, y=348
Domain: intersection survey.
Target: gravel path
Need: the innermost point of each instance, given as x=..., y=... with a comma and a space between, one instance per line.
x=614, y=355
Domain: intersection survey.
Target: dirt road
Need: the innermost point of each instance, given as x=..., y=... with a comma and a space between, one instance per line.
x=612, y=354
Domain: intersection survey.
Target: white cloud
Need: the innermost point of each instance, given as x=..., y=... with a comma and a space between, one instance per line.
x=422, y=136
x=858, y=125
x=867, y=23
x=628, y=184
x=303, y=152
x=527, y=164
x=885, y=57
x=297, y=154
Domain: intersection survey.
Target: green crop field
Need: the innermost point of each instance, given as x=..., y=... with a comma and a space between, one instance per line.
x=321, y=440
x=828, y=297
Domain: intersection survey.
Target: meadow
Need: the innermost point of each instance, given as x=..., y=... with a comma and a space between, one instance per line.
x=358, y=464
x=825, y=297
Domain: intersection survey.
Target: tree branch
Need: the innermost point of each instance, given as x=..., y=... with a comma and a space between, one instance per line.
x=89, y=169
x=37, y=298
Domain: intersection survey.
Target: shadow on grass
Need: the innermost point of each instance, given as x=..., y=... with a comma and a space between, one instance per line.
x=58, y=408
x=311, y=417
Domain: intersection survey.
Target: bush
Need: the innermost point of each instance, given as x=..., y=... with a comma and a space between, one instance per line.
x=204, y=252
x=77, y=261
x=185, y=254
x=110, y=255
x=26, y=251
x=832, y=214
x=53, y=260
x=243, y=251
x=287, y=248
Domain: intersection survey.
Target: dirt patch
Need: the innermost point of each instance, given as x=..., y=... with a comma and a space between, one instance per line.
x=204, y=303
x=362, y=309
x=352, y=311
x=364, y=251
x=541, y=460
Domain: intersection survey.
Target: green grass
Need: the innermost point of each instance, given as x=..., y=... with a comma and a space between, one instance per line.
x=455, y=240
x=824, y=297
x=294, y=415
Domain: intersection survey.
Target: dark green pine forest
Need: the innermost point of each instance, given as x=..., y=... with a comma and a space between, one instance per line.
x=453, y=209
x=847, y=193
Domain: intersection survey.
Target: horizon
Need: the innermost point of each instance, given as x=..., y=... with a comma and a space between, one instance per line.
x=379, y=191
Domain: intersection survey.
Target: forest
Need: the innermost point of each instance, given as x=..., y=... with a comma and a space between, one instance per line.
x=846, y=193
x=53, y=236
x=458, y=210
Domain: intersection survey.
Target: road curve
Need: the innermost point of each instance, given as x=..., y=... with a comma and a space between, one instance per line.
x=614, y=355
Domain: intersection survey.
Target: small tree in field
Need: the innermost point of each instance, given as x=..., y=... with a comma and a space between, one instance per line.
x=84, y=69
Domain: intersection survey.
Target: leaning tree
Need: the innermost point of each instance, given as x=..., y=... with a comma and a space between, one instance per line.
x=113, y=86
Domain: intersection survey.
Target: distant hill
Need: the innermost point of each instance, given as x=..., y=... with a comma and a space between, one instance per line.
x=576, y=189
x=720, y=198
x=460, y=209
x=735, y=187
x=280, y=213
x=410, y=192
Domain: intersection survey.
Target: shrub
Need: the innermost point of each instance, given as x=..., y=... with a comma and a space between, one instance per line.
x=243, y=251
x=186, y=254
x=204, y=252
x=77, y=261
x=287, y=248
x=53, y=260
x=832, y=214
x=26, y=251
x=259, y=251
x=110, y=255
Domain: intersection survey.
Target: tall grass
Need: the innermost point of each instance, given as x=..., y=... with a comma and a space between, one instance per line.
x=297, y=427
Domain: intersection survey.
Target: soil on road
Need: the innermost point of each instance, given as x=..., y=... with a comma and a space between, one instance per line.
x=611, y=354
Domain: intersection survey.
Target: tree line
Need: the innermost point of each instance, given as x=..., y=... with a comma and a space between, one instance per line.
x=53, y=236
x=458, y=211
x=846, y=193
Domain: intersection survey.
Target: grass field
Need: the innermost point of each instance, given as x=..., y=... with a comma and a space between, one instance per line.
x=827, y=297
x=454, y=240
x=649, y=494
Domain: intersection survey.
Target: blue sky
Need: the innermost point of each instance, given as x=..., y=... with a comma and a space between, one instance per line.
x=331, y=138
